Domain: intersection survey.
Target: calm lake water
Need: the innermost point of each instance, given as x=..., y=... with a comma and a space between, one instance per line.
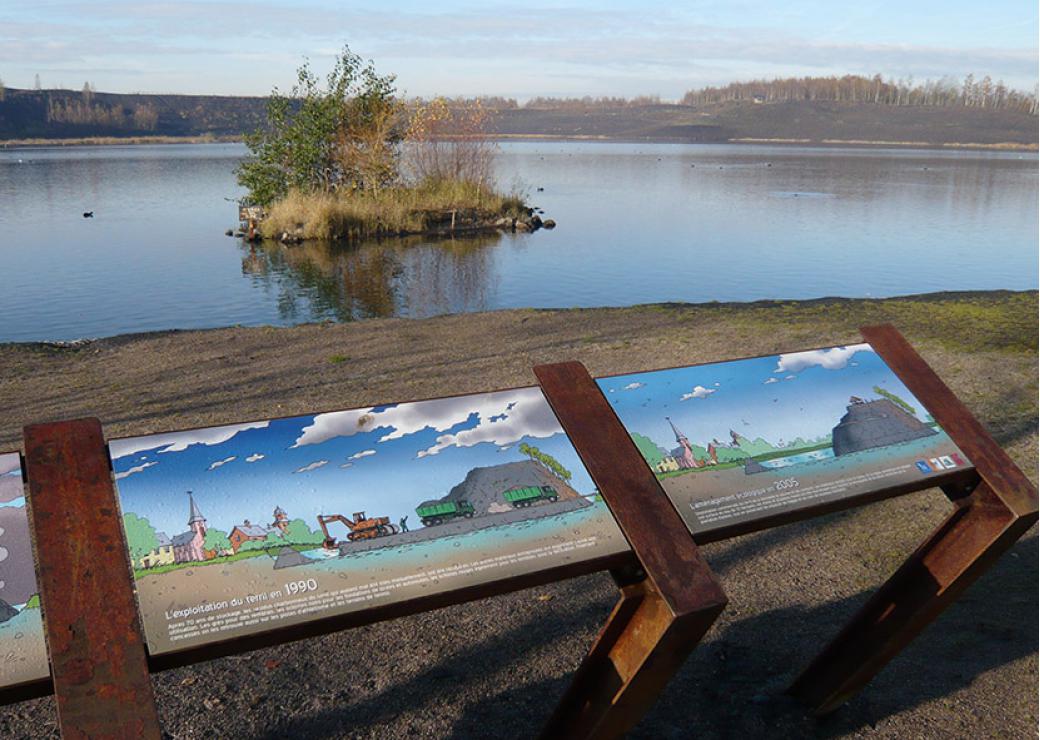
x=638, y=223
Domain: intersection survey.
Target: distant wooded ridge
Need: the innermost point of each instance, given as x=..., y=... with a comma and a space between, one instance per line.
x=808, y=110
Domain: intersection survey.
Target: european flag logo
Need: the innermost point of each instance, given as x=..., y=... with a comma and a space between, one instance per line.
x=924, y=467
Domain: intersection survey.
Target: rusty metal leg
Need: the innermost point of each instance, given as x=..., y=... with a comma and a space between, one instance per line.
x=978, y=532
x=638, y=650
x=665, y=608
x=98, y=661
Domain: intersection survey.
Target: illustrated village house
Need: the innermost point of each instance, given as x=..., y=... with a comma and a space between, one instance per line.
x=246, y=531
x=161, y=555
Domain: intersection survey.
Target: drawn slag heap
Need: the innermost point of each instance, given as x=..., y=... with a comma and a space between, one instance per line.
x=879, y=423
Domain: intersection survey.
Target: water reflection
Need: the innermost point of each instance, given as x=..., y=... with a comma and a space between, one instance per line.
x=412, y=276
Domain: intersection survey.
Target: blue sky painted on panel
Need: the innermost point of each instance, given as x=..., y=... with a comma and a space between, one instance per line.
x=239, y=473
x=515, y=49
x=777, y=398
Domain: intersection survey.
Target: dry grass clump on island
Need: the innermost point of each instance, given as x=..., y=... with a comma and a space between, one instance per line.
x=390, y=211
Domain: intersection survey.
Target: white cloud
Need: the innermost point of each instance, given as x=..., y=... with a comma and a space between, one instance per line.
x=769, y=380
x=180, y=441
x=254, y=457
x=699, y=391
x=363, y=453
x=218, y=463
x=790, y=377
x=834, y=358
x=312, y=466
x=347, y=465
x=633, y=386
x=502, y=417
x=136, y=469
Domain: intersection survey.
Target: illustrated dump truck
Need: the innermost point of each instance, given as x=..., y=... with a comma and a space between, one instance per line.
x=523, y=497
x=432, y=513
x=361, y=528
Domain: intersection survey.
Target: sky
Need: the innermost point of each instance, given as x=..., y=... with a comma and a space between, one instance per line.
x=384, y=461
x=464, y=47
x=777, y=398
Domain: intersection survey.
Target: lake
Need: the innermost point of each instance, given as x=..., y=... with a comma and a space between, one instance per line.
x=638, y=223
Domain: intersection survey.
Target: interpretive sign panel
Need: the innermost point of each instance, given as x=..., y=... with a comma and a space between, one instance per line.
x=23, y=651
x=240, y=529
x=735, y=442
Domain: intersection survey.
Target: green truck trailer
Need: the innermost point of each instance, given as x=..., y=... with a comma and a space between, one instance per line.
x=521, y=497
x=432, y=513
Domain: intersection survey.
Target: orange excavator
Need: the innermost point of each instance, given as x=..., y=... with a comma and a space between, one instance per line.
x=361, y=528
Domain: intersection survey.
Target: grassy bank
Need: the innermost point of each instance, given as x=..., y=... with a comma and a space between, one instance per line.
x=429, y=207
x=117, y=141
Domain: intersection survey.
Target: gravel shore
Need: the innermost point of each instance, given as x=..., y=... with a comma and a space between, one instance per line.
x=495, y=668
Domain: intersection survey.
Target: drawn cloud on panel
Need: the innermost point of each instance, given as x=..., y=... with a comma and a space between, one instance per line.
x=699, y=391
x=503, y=417
x=217, y=463
x=254, y=457
x=136, y=469
x=835, y=358
x=363, y=453
x=633, y=386
x=526, y=414
x=180, y=441
x=312, y=466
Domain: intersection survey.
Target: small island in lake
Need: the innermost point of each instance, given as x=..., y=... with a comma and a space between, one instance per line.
x=347, y=160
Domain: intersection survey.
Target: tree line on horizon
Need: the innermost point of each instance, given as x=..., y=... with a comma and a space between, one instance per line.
x=945, y=92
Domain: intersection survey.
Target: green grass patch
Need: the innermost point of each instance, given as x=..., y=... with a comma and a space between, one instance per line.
x=240, y=555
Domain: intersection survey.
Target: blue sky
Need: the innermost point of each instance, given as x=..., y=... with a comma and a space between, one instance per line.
x=384, y=461
x=782, y=397
x=518, y=50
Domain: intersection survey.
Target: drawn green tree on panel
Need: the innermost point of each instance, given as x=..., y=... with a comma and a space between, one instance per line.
x=140, y=536
x=547, y=461
x=650, y=450
x=896, y=400
x=298, y=533
x=216, y=539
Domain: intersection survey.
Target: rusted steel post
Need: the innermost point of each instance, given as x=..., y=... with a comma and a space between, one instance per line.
x=986, y=522
x=665, y=609
x=97, y=654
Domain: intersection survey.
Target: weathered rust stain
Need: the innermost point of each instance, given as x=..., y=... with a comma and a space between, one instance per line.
x=98, y=661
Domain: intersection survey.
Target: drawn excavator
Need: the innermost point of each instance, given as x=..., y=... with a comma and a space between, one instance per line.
x=361, y=527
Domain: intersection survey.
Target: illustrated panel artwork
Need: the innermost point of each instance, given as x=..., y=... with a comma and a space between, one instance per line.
x=734, y=442
x=23, y=650
x=240, y=529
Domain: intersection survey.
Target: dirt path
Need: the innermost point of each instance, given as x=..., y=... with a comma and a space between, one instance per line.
x=496, y=667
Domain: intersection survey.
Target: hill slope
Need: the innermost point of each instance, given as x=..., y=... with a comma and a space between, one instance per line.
x=65, y=114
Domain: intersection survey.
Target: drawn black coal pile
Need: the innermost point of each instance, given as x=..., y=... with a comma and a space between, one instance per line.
x=483, y=487
x=880, y=423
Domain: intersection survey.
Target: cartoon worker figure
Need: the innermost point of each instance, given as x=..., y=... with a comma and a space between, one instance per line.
x=404, y=524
